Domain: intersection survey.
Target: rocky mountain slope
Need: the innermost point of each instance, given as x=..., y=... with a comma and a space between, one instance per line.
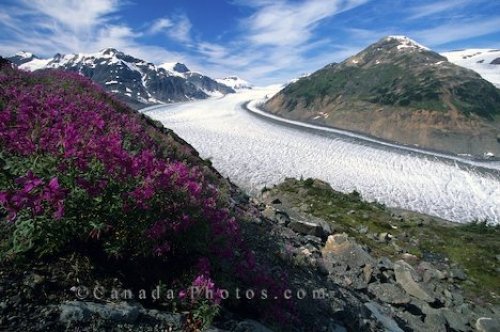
x=399, y=90
x=135, y=81
x=484, y=61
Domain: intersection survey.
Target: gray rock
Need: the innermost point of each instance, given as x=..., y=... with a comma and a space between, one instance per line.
x=249, y=325
x=307, y=228
x=277, y=216
x=403, y=272
x=333, y=327
x=74, y=312
x=389, y=293
x=367, y=273
x=77, y=311
x=412, y=323
x=486, y=324
x=456, y=321
x=269, y=212
x=385, y=264
x=282, y=218
x=435, y=323
x=168, y=318
x=409, y=258
x=458, y=274
x=377, y=312
x=347, y=251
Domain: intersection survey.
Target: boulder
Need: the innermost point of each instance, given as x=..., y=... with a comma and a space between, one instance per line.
x=347, y=251
x=388, y=293
x=277, y=216
x=313, y=226
x=486, y=324
x=456, y=321
x=377, y=312
x=403, y=272
x=435, y=323
x=77, y=311
x=384, y=264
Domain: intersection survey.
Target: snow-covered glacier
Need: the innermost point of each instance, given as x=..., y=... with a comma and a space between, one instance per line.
x=254, y=151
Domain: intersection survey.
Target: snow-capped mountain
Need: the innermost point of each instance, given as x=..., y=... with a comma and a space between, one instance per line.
x=399, y=90
x=133, y=80
x=486, y=62
x=234, y=82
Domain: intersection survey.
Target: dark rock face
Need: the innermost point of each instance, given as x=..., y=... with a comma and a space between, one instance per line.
x=398, y=90
x=181, y=68
x=495, y=61
x=22, y=57
x=4, y=62
x=135, y=81
x=207, y=84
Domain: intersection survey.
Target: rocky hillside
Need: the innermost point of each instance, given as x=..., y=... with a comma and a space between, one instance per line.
x=134, y=81
x=399, y=90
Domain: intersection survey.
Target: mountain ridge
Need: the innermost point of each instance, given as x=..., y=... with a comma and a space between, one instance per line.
x=135, y=81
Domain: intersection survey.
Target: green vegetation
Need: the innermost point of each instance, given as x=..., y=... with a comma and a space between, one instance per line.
x=472, y=247
x=384, y=76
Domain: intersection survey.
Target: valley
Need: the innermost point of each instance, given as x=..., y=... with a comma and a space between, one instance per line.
x=255, y=152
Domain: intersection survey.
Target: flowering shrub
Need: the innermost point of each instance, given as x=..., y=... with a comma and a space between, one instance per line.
x=80, y=168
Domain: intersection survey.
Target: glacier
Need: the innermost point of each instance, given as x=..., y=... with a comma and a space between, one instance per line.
x=255, y=151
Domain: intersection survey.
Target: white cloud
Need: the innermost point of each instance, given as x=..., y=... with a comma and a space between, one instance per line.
x=75, y=15
x=177, y=27
x=181, y=30
x=459, y=30
x=160, y=25
x=440, y=7
x=274, y=41
x=283, y=23
x=58, y=26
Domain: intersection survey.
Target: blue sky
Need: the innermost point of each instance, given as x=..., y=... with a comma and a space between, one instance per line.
x=264, y=41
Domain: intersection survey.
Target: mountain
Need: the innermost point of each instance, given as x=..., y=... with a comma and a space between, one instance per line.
x=234, y=82
x=399, y=90
x=22, y=57
x=484, y=61
x=135, y=81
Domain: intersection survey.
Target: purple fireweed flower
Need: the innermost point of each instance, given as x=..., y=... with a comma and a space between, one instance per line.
x=3, y=198
x=29, y=182
x=59, y=212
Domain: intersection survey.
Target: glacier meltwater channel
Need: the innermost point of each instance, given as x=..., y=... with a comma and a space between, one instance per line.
x=255, y=151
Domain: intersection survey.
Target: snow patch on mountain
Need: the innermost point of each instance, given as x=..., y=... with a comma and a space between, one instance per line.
x=234, y=82
x=35, y=64
x=481, y=60
x=406, y=42
x=173, y=67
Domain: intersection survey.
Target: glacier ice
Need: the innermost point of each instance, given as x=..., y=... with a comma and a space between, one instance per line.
x=255, y=152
